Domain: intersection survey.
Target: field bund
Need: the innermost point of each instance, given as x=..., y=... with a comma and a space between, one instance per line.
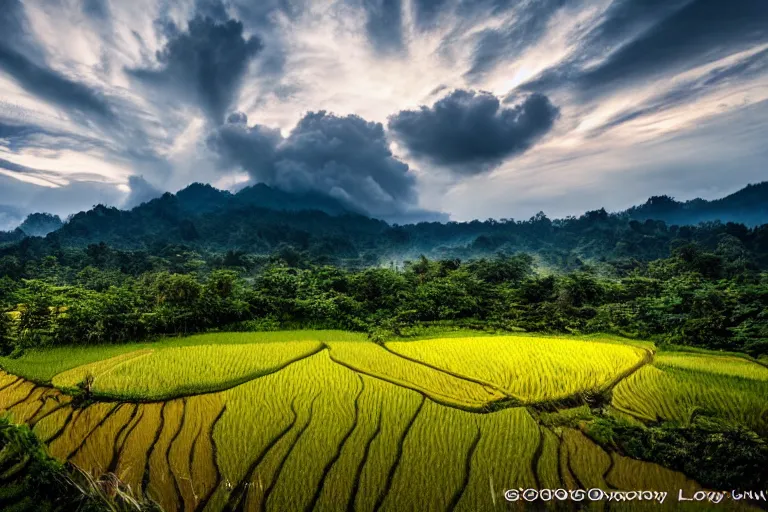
x=328, y=421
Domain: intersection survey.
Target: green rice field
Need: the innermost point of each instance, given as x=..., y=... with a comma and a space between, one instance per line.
x=327, y=421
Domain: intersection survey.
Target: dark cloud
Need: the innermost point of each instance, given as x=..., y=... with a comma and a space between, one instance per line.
x=53, y=87
x=347, y=158
x=384, y=19
x=487, y=8
x=14, y=167
x=51, y=177
x=141, y=192
x=14, y=27
x=260, y=15
x=16, y=136
x=213, y=9
x=471, y=132
x=626, y=19
x=702, y=31
x=384, y=24
x=238, y=118
x=646, y=39
x=101, y=20
x=113, y=125
x=427, y=12
x=253, y=148
x=22, y=58
x=39, y=174
x=205, y=63
x=689, y=91
x=528, y=26
x=98, y=9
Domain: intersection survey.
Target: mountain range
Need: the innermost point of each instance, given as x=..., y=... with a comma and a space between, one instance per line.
x=261, y=220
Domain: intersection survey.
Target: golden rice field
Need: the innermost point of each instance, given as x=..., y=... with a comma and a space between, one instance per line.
x=157, y=374
x=678, y=385
x=326, y=422
x=530, y=369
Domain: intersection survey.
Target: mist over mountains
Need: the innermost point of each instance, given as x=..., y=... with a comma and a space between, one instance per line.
x=262, y=220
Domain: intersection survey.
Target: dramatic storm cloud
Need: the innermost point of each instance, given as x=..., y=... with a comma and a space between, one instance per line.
x=347, y=158
x=141, y=192
x=384, y=24
x=22, y=60
x=472, y=108
x=471, y=132
x=205, y=63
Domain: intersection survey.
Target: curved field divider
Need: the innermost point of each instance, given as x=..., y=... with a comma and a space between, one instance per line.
x=719, y=365
x=375, y=432
x=160, y=482
x=182, y=371
x=16, y=393
x=530, y=369
x=132, y=457
x=71, y=378
x=677, y=386
x=440, y=386
x=37, y=403
x=584, y=461
x=190, y=454
x=503, y=458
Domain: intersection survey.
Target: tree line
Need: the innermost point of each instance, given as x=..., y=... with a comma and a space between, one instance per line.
x=716, y=299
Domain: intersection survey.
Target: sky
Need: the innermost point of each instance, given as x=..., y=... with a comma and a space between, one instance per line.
x=404, y=110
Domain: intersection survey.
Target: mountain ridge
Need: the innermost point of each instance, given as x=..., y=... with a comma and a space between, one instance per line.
x=263, y=220
x=748, y=206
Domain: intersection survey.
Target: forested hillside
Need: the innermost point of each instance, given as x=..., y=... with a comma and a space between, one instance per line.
x=747, y=206
x=260, y=220
x=204, y=259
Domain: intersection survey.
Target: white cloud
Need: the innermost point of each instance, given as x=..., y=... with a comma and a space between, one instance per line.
x=668, y=142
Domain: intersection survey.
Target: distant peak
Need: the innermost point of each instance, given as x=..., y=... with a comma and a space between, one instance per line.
x=40, y=224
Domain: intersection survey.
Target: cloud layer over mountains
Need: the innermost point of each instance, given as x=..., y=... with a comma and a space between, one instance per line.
x=400, y=109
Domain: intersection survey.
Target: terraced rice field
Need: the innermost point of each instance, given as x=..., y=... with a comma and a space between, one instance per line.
x=179, y=371
x=677, y=385
x=327, y=425
x=530, y=369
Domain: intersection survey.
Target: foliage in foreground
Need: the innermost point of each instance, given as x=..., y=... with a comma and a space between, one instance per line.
x=32, y=480
x=719, y=455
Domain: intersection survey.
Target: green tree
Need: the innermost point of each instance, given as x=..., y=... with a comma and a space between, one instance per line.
x=36, y=314
x=6, y=333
